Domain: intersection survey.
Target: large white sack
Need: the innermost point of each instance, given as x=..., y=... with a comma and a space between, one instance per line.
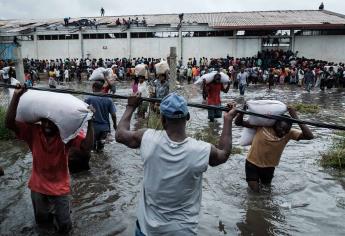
x=140, y=70
x=265, y=107
x=162, y=68
x=67, y=112
x=247, y=136
x=100, y=73
x=224, y=78
x=6, y=69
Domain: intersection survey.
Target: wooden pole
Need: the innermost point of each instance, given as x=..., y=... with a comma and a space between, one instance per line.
x=172, y=65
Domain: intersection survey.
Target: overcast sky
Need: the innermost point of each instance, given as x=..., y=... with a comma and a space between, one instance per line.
x=40, y=9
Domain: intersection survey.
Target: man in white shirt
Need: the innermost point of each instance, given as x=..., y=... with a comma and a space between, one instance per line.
x=170, y=200
x=143, y=91
x=242, y=80
x=66, y=73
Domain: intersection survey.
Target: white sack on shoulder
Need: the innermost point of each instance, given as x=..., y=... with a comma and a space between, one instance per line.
x=140, y=70
x=67, y=112
x=247, y=136
x=162, y=68
x=100, y=73
x=224, y=78
x=265, y=107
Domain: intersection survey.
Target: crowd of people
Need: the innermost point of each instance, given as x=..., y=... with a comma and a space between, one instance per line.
x=181, y=161
x=269, y=67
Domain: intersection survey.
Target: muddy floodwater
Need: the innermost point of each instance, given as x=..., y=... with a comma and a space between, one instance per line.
x=305, y=199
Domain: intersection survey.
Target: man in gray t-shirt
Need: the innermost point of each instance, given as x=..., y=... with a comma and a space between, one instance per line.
x=170, y=199
x=103, y=108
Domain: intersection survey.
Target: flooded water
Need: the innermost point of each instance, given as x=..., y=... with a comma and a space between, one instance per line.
x=304, y=199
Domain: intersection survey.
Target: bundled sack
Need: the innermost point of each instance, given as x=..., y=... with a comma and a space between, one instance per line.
x=100, y=73
x=140, y=70
x=67, y=112
x=162, y=68
x=264, y=107
x=247, y=136
x=224, y=78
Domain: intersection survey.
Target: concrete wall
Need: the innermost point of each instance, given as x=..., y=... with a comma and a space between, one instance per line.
x=106, y=48
x=207, y=47
x=141, y=47
x=247, y=47
x=331, y=47
x=152, y=47
x=325, y=47
x=58, y=49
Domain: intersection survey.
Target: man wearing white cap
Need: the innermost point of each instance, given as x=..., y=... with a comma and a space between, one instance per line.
x=169, y=202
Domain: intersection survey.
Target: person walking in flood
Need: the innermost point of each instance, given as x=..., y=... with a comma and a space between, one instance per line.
x=170, y=199
x=103, y=108
x=267, y=147
x=50, y=180
x=211, y=92
x=242, y=79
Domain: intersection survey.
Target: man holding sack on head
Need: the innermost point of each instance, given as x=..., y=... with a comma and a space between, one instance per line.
x=50, y=180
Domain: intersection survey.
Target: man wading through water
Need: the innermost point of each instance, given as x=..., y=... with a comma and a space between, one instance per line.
x=211, y=92
x=169, y=202
x=103, y=108
x=49, y=181
x=267, y=147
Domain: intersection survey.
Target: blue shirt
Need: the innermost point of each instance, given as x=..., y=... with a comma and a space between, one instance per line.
x=104, y=107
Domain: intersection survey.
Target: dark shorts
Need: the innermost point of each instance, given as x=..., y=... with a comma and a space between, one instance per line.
x=262, y=175
x=214, y=114
x=52, y=210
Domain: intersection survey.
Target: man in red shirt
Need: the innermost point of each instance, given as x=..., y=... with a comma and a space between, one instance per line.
x=212, y=91
x=49, y=181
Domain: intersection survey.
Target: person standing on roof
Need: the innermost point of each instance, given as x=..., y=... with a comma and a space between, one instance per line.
x=102, y=11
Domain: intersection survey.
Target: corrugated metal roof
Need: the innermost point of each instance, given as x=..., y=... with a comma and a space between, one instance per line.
x=229, y=20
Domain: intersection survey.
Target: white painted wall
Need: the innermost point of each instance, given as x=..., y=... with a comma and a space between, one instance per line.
x=28, y=49
x=330, y=48
x=114, y=48
x=323, y=47
x=52, y=49
x=152, y=47
x=207, y=47
x=247, y=47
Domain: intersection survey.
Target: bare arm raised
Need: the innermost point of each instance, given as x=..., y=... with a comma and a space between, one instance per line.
x=221, y=154
x=124, y=135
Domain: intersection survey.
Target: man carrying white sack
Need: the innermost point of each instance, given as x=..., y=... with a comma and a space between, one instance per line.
x=211, y=92
x=103, y=108
x=170, y=199
x=49, y=181
x=267, y=147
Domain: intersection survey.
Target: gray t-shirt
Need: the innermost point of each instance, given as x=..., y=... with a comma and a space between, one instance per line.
x=170, y=199
x=242, y=78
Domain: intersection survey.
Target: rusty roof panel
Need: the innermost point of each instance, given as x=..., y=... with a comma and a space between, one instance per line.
x=228, y=20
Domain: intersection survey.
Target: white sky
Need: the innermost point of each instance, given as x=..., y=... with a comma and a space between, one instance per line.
x=40, y=9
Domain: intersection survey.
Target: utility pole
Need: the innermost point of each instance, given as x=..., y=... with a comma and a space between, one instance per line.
x=19, y=63
x=172, y=65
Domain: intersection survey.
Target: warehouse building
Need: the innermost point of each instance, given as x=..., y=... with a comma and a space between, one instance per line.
x=318, y=34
